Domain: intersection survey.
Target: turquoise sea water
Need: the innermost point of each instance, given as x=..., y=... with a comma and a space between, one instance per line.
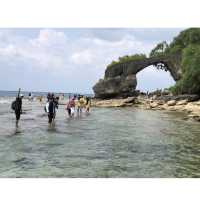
x=120, y=142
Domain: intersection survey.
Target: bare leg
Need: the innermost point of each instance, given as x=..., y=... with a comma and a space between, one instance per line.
x=17, y=123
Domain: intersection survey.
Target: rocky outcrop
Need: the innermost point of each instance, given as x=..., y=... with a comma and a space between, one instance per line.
x=114, y=102
x=188, y=97
x=119, y=86
x=182, y=102
x=171, y=103
x=120, y=79
x=191, y=108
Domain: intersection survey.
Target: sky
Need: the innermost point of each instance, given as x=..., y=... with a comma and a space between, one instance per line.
x=74, y=59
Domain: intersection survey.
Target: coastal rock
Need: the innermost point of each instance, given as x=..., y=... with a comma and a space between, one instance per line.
x=120, y=78
x=154, y=97
x=153, y=105
x=160, y=103
x=171, y=103
x=112, y=87
x=191, y=108
x=197, y=103
x=129, y=100
x=194, y=116
x=191, y=97
x=188, y=97
x=113, y=102
x=182, y=102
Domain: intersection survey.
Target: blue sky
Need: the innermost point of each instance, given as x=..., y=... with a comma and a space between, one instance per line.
x=73, y=59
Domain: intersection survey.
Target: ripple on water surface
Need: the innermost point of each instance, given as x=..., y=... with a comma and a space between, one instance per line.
x=124, y=142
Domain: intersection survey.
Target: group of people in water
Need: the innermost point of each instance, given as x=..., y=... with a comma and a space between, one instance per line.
x=81, y=103
x=76, y=103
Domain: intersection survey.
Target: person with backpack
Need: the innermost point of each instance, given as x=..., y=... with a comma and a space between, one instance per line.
x=30, y=96
x=51, y=110
x=17, y=106
x=51, y=107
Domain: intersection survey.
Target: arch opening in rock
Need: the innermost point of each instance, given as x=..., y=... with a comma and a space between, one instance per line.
x=151, y=79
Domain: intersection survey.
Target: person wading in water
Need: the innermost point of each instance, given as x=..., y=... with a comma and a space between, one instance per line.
x=70, y=107
x=17, y=106
x=51, y=107
x=88, y=104
x=80, y=104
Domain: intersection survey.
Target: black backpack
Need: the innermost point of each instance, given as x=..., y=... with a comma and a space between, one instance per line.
x=13, y=105
x=51, y=107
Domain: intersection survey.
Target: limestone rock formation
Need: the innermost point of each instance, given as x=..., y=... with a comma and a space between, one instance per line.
x=120, y=79
x=171, y=103
x=118, y=86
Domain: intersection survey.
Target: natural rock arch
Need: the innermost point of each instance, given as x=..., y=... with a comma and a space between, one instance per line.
x=120, y=79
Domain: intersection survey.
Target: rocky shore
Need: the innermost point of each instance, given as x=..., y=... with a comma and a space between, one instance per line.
x=189, y=104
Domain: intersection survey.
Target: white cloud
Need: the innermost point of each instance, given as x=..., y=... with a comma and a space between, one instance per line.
x=9, y=50
x=82, y=57
x=54, y=51
x=48, y=37
x=99, y=52
x=45, y=52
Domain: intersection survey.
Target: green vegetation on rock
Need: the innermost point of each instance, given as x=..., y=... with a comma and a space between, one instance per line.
x=179, y=43
x=187, y=43
x=190, y=81
x=159, y=50
x=185, y=50
x=185, y=38
x=127, y=58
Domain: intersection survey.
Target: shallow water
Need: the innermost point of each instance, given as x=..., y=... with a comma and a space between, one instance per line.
x=122, y=142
